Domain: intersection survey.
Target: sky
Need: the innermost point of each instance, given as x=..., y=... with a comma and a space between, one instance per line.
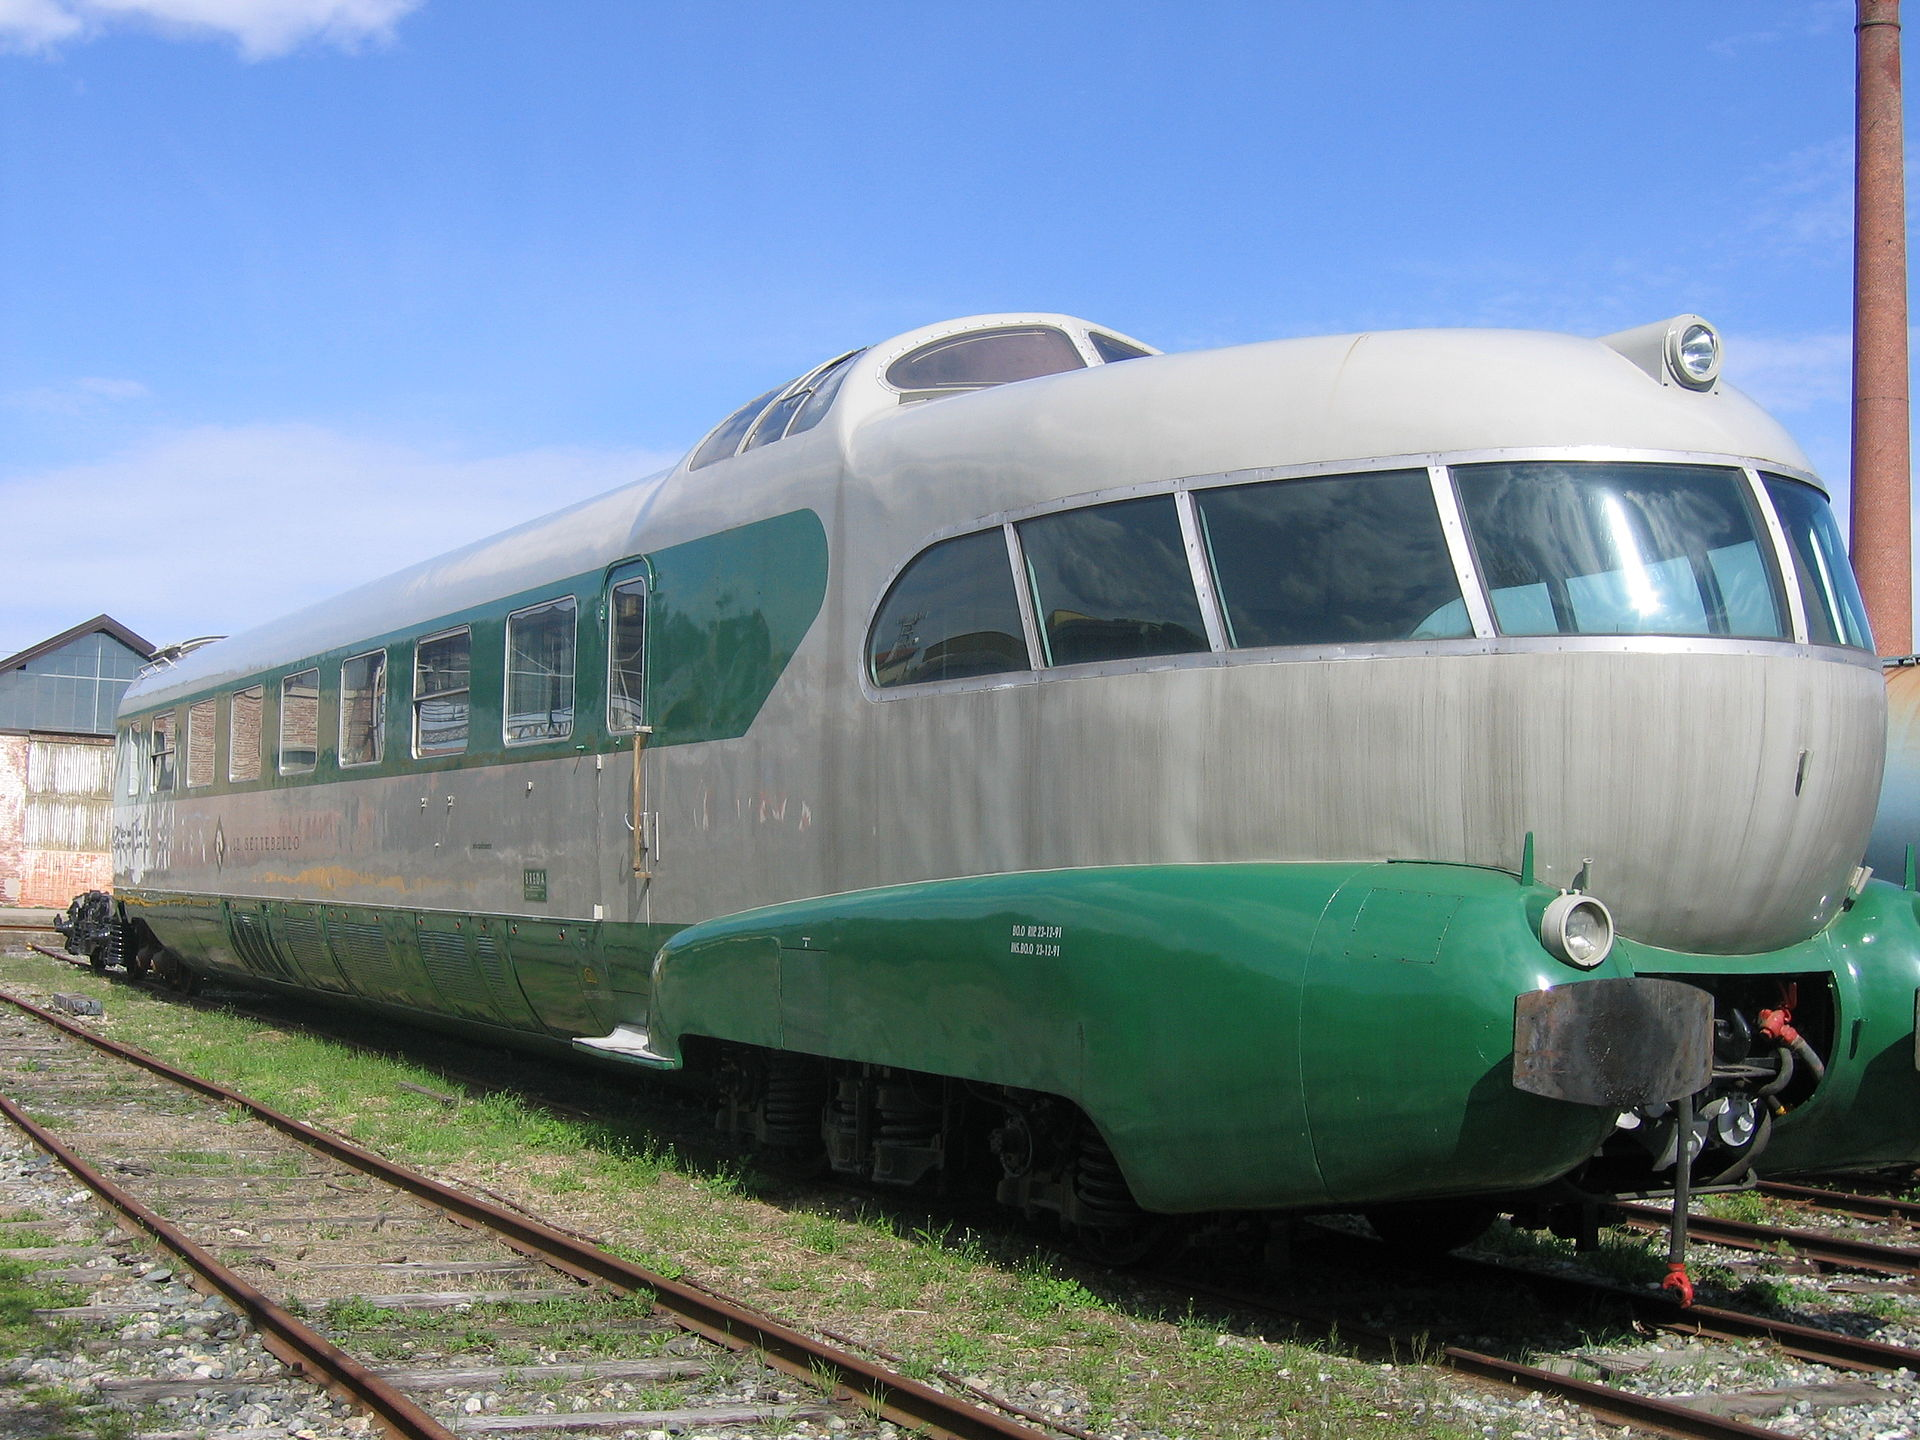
x=296, y=292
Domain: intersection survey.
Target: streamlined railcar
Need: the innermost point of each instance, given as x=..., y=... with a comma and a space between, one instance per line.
x=1401, y=769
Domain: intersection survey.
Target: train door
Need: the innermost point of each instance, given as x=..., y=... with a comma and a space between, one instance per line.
x=632, y=788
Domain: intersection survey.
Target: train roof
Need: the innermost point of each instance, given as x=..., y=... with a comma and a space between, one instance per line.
x=1119, y=413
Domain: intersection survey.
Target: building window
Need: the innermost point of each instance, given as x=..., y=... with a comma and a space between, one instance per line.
x=442, y=669
x=201, y=718
x=243, y=733
x=540, y=645
x=160, y=758
x=627, y=657
x=363, y=709
x=300, y=722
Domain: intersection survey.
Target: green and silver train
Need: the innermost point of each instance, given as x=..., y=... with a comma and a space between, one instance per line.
x=1360, y=772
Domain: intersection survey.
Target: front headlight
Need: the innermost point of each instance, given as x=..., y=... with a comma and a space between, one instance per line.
x=1578, y=929
x=1693, y=354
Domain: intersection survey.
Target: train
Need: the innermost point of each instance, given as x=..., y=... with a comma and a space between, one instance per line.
x=1412, y=773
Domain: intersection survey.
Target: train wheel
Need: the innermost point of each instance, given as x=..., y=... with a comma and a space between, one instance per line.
x=97, y=958
x=1123, y=1246
x=1433, y=1228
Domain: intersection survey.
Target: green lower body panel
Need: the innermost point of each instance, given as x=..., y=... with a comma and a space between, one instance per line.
x=1258, y=1036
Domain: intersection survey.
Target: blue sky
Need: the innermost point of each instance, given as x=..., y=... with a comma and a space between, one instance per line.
x=293, y=292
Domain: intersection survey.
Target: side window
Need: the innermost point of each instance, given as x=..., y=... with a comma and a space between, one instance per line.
x=1337, y=561
x=1112, y=349
x=1836, y=615
x=160, y=759
x=363, y=709
x=442, y=667
x=540, y=647
x=201, y=717
x=627, y=656
x=1111, y=582
x=243, y=733
x=132, y=743
x=952, y=613
x=299, y=722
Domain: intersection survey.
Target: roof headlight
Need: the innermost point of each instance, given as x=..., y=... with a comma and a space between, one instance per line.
x=1693, y=353
x=1578, y=929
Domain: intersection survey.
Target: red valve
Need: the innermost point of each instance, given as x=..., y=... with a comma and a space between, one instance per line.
x=1777, y=1025
x=1678, y=1282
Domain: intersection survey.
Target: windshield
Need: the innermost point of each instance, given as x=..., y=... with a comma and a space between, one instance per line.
x=1571, y=548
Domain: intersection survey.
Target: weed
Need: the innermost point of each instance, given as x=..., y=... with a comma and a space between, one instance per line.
x=821, y=1234
x=1746, y=1205
x=1883, y=1307
x=1763, y=1292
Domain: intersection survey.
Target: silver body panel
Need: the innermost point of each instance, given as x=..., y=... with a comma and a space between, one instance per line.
x=1723, y=790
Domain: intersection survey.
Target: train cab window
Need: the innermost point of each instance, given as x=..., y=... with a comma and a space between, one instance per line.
x=627, y=657
x=243, y=733
x=1602, y=548
x=299, y=722
x=953, y=613
x=982, y=358
x=201, y=718
x=160, y=757
x=723, y=442
x=442, y=673
x=1111, y=582
x=540, y=646
x=1111, y=348
x=1836, y=615
x=363, y=709
x=1348, y=559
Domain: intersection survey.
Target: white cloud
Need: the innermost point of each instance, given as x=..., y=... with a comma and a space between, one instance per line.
x=1793, y=373
x=85, y=396
x=261, y=28
x=217, y=529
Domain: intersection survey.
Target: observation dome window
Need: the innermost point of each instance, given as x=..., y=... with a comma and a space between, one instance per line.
x=980, y=359
x=784, y=410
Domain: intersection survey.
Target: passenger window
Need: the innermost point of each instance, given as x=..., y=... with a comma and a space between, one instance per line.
x=201, y=717
x=363, y=709
x=825, y=387
x=627, y=657
x=1111, y=582
x=953, y=613
x=132, y=743
x=1836, y=615
x=982, y=358
x=1602, y=548
x=1345, y=560
x=1112, y=348
x=299, y=722
x=243, y=733
x=540, y=642
x=160, y=759
x=723, y=442
x=442, y=667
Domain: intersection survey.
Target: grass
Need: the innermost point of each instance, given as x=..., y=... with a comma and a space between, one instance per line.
x=656, y=1189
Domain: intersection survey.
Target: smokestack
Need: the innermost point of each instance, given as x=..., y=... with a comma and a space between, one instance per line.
x=1882, y=505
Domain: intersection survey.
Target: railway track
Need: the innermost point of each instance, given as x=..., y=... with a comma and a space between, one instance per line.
x=1562, y=1378
x=306, y=1235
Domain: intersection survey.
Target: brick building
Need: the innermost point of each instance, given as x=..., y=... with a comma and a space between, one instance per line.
x=57, y=702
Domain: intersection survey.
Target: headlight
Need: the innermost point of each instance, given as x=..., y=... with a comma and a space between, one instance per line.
x=1693, y=353
x=1576, y=928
